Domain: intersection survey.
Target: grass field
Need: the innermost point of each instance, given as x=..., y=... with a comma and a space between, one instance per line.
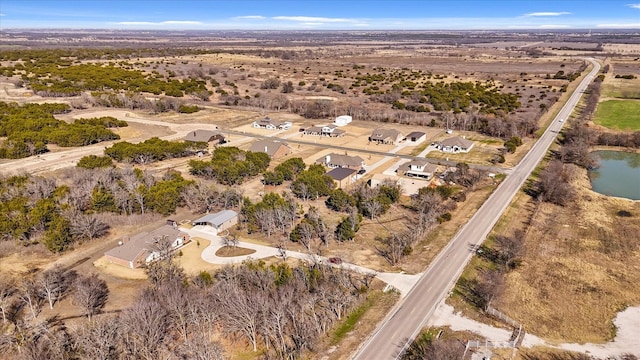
x=619, y=114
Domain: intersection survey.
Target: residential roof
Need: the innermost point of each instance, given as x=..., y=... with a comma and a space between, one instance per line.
x=383, y=134
x=341, y=160
x=427, y=166
x=201, y=135
x=267, y=146
x=415, y=134
x=266, y=121
x=218, y=218
x=457, y=141
x=143, y=243
x=339, y=174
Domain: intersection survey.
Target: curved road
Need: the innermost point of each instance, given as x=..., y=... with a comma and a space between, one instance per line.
x=412, y=313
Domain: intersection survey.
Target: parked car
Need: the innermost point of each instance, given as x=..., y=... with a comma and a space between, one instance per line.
x=335, y=260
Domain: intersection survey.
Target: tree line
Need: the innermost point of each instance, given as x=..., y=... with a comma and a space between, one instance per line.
x=29, y=128
x=280, y=311
x=58, y=214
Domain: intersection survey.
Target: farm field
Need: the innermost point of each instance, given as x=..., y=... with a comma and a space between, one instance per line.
x=619, y=114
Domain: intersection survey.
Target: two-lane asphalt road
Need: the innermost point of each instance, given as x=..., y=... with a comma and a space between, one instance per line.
x=414, y=310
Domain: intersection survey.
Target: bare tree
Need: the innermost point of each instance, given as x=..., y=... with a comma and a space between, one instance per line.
x=145, y=328
x=230, y=240
x=200, y=347
x=91, y=294
x=242, y=312
x=266, y=220
x=98, y=339
x=29, y=294
x=54, y=283
x=396, y=246
x=7, y=290
x=510, y=247
x=86, y=226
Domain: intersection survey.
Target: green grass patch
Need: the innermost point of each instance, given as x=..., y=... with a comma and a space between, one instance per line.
x=350, y=321
x=619, y=114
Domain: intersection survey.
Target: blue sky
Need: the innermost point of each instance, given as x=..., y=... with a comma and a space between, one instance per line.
x=320, y=14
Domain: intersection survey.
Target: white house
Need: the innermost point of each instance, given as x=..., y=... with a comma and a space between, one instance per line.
x=419, y=168
x=342, y=120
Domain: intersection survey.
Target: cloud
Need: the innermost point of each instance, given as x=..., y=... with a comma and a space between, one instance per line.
x=554, y=26
x=168, y=22
x=250, y=17
x=620, y=26
x=546, y=13
x=3, y=15
x=136, y=23
x=314, y=19
x=179, y=22
x=634, y=6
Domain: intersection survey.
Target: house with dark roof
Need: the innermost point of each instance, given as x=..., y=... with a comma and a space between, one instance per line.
x=275, y=149
x=455, y=145
x=142, y=248
x=209, y=136
x=334, y=160
x=220, y=221
x=344, y=176
x=416, y=137
x=386, y=136
x=419, y=168
x=324, y=130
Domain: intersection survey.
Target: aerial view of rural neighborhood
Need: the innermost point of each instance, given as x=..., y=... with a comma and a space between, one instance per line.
x=320, y=180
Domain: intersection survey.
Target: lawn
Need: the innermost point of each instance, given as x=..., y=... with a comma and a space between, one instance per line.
x=619, y=114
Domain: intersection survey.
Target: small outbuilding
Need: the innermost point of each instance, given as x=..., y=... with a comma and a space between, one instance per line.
x=416, y=137
x=344, y=176
x=220, y=221
x=342, y=120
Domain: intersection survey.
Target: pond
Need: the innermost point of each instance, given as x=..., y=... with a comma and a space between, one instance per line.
x=618, y=174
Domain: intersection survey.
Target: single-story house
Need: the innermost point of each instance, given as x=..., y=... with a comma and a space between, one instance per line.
x=416, y=137
x=420, y=168
x=275, y=149
x=455, y=144
x=324, y=130
x=220, y=221
x=386, y=136
x=334, y=160
x=342, y=120
x=271, y=124
x=344, y=176
x=209, y=136
x=140, y=249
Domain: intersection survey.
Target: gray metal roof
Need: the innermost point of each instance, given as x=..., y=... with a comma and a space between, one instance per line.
x=218, y=218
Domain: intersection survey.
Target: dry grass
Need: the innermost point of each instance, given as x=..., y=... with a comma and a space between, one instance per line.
x=230, y=251
x=579, y=269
